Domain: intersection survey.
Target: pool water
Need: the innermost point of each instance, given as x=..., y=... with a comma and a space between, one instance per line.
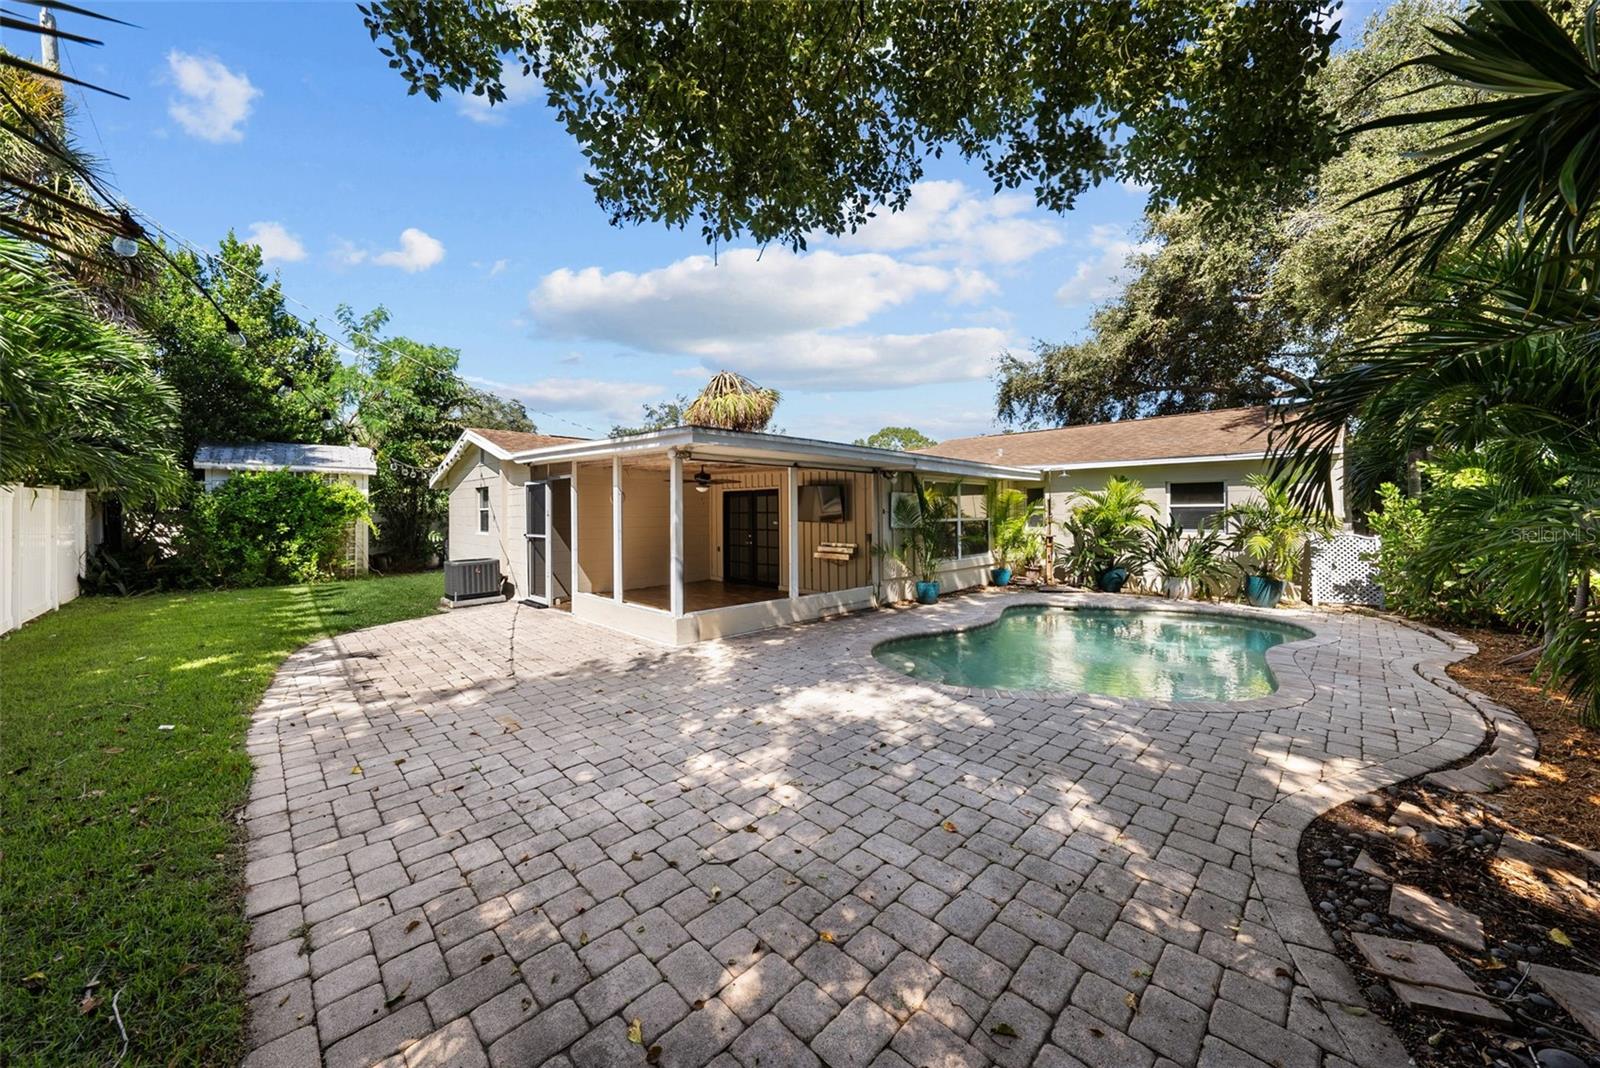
x=1147, y=654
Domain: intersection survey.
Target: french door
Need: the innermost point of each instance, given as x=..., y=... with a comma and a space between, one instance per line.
x=750, y=528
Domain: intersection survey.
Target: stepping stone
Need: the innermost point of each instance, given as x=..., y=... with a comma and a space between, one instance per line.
x=1449, y=1002
x=1367, y=866
x=1412, y=962
x=1576, y=992
x=1438, y=918
x=1536, y=856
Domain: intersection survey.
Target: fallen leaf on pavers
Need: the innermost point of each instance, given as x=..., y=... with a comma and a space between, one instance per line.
x=750, y=828
x=1130, y=1000
x=486, y=958
x=635, y=856
x=397, y=763
x=356, y=770
x=1004, y=1030
x=1353, y=1010
x=699, y=1003
x=826, y=936
x=716, y=892
x=583, y=939
x=636, y=1033
x=1560, y=937
x=949, y=825
x=398, y=998
x=413, y=925
x=652, y=1055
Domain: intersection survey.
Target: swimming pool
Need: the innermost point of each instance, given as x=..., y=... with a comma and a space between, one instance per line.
x=1147, y=654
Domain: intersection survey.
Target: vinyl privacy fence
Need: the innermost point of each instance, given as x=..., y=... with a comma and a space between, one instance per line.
x=43, y=533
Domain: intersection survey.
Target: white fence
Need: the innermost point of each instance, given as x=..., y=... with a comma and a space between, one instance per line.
x=1342, y=571
x=42, y=544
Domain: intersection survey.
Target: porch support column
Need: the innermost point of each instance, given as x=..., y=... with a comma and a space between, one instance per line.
x=792, y=534
x=675, y=526
x=616, y=529
x=572, y=537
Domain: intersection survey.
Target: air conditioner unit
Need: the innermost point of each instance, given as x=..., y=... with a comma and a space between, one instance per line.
x=471, y=580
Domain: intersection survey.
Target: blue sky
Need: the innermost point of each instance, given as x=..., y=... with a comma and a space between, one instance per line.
x=475, y=229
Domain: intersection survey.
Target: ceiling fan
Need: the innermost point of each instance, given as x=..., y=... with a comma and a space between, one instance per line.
x=702, y=480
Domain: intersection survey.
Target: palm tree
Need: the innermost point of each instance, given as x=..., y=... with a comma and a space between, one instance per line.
x=1503, y=371
x=1272, y=527
x=732, y=402
x=1108, y=526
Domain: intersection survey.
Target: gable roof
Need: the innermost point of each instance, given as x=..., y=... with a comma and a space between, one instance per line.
x=501, y=444
x=513, y=441
x=1227, y=432
x=285, y=455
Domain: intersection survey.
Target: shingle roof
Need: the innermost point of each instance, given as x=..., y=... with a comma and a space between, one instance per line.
x=517, y=441
x=274, y=455
x=1227, y=432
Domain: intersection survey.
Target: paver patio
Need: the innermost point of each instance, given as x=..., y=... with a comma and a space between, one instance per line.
x=499, y=836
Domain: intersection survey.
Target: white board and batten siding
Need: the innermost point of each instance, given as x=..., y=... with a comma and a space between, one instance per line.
x=42, y=547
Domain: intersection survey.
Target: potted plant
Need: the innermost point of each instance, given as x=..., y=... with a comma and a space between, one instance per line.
x=919, y=527
x=1108, y=528
x=1186, y=562
x=1270, y=530
x=1013, y=535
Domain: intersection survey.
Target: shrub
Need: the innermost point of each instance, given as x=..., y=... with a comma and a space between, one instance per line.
x=271, y=527
x=1448, y=593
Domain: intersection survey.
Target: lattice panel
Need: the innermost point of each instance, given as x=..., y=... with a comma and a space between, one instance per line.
x=1344, y=570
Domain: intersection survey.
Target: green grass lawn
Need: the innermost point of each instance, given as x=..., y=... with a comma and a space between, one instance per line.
x=121, y=863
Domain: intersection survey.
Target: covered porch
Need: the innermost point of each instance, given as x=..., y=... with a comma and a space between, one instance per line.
x=694, y=533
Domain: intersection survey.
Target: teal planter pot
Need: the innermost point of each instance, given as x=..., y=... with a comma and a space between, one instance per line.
x=927, y=592
x=1000, y=576
x=1112, y=579
x=1263, y=592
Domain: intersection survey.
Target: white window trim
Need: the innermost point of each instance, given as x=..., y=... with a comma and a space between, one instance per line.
x=959, y=558
x=1221, y=507
x=483, y=509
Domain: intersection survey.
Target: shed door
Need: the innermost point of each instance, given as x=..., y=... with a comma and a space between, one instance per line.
x=538, y=538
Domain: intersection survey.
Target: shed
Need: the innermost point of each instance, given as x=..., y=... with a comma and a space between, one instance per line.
x=342, y=463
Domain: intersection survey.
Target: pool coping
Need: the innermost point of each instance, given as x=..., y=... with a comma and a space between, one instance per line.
x=1295, y=686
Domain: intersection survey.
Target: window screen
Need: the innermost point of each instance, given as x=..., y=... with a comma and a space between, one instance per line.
x=1194, y=504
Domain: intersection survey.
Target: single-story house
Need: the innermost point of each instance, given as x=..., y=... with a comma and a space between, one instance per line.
x=342, y=463
x=1192, y=466
x=690, y=533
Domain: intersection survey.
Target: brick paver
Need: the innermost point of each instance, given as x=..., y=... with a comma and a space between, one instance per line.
x=500, y=836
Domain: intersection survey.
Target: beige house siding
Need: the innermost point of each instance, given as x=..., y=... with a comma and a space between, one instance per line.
x=466, y=541
x=816, y=576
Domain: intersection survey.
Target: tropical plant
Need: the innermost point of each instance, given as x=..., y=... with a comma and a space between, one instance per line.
x=262, y=528
x=783, y=120
x=1014, y=534
x=1412, y=583
x=1187, y=561
x=1109, y=525
x=82, y=401
x=920, y=522
x=732, y=402
x=1271, y=528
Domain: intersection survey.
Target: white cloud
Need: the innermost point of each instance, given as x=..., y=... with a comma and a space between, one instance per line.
x=498, y=267
x=212, y=102
x=950, y=221
x=277, y=244
x=743, y=295
x=417, y=252
x=519, y=90
x=1106, y=271
x=861, y=361
x=616, y=400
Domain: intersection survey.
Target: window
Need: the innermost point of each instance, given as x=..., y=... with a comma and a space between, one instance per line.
x=1194, y=504
x=965, y=512
x=483, y=509
x=1035, y=498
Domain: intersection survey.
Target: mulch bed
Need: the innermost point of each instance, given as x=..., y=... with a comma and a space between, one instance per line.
x=1530, y=916
x=1563, y=797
